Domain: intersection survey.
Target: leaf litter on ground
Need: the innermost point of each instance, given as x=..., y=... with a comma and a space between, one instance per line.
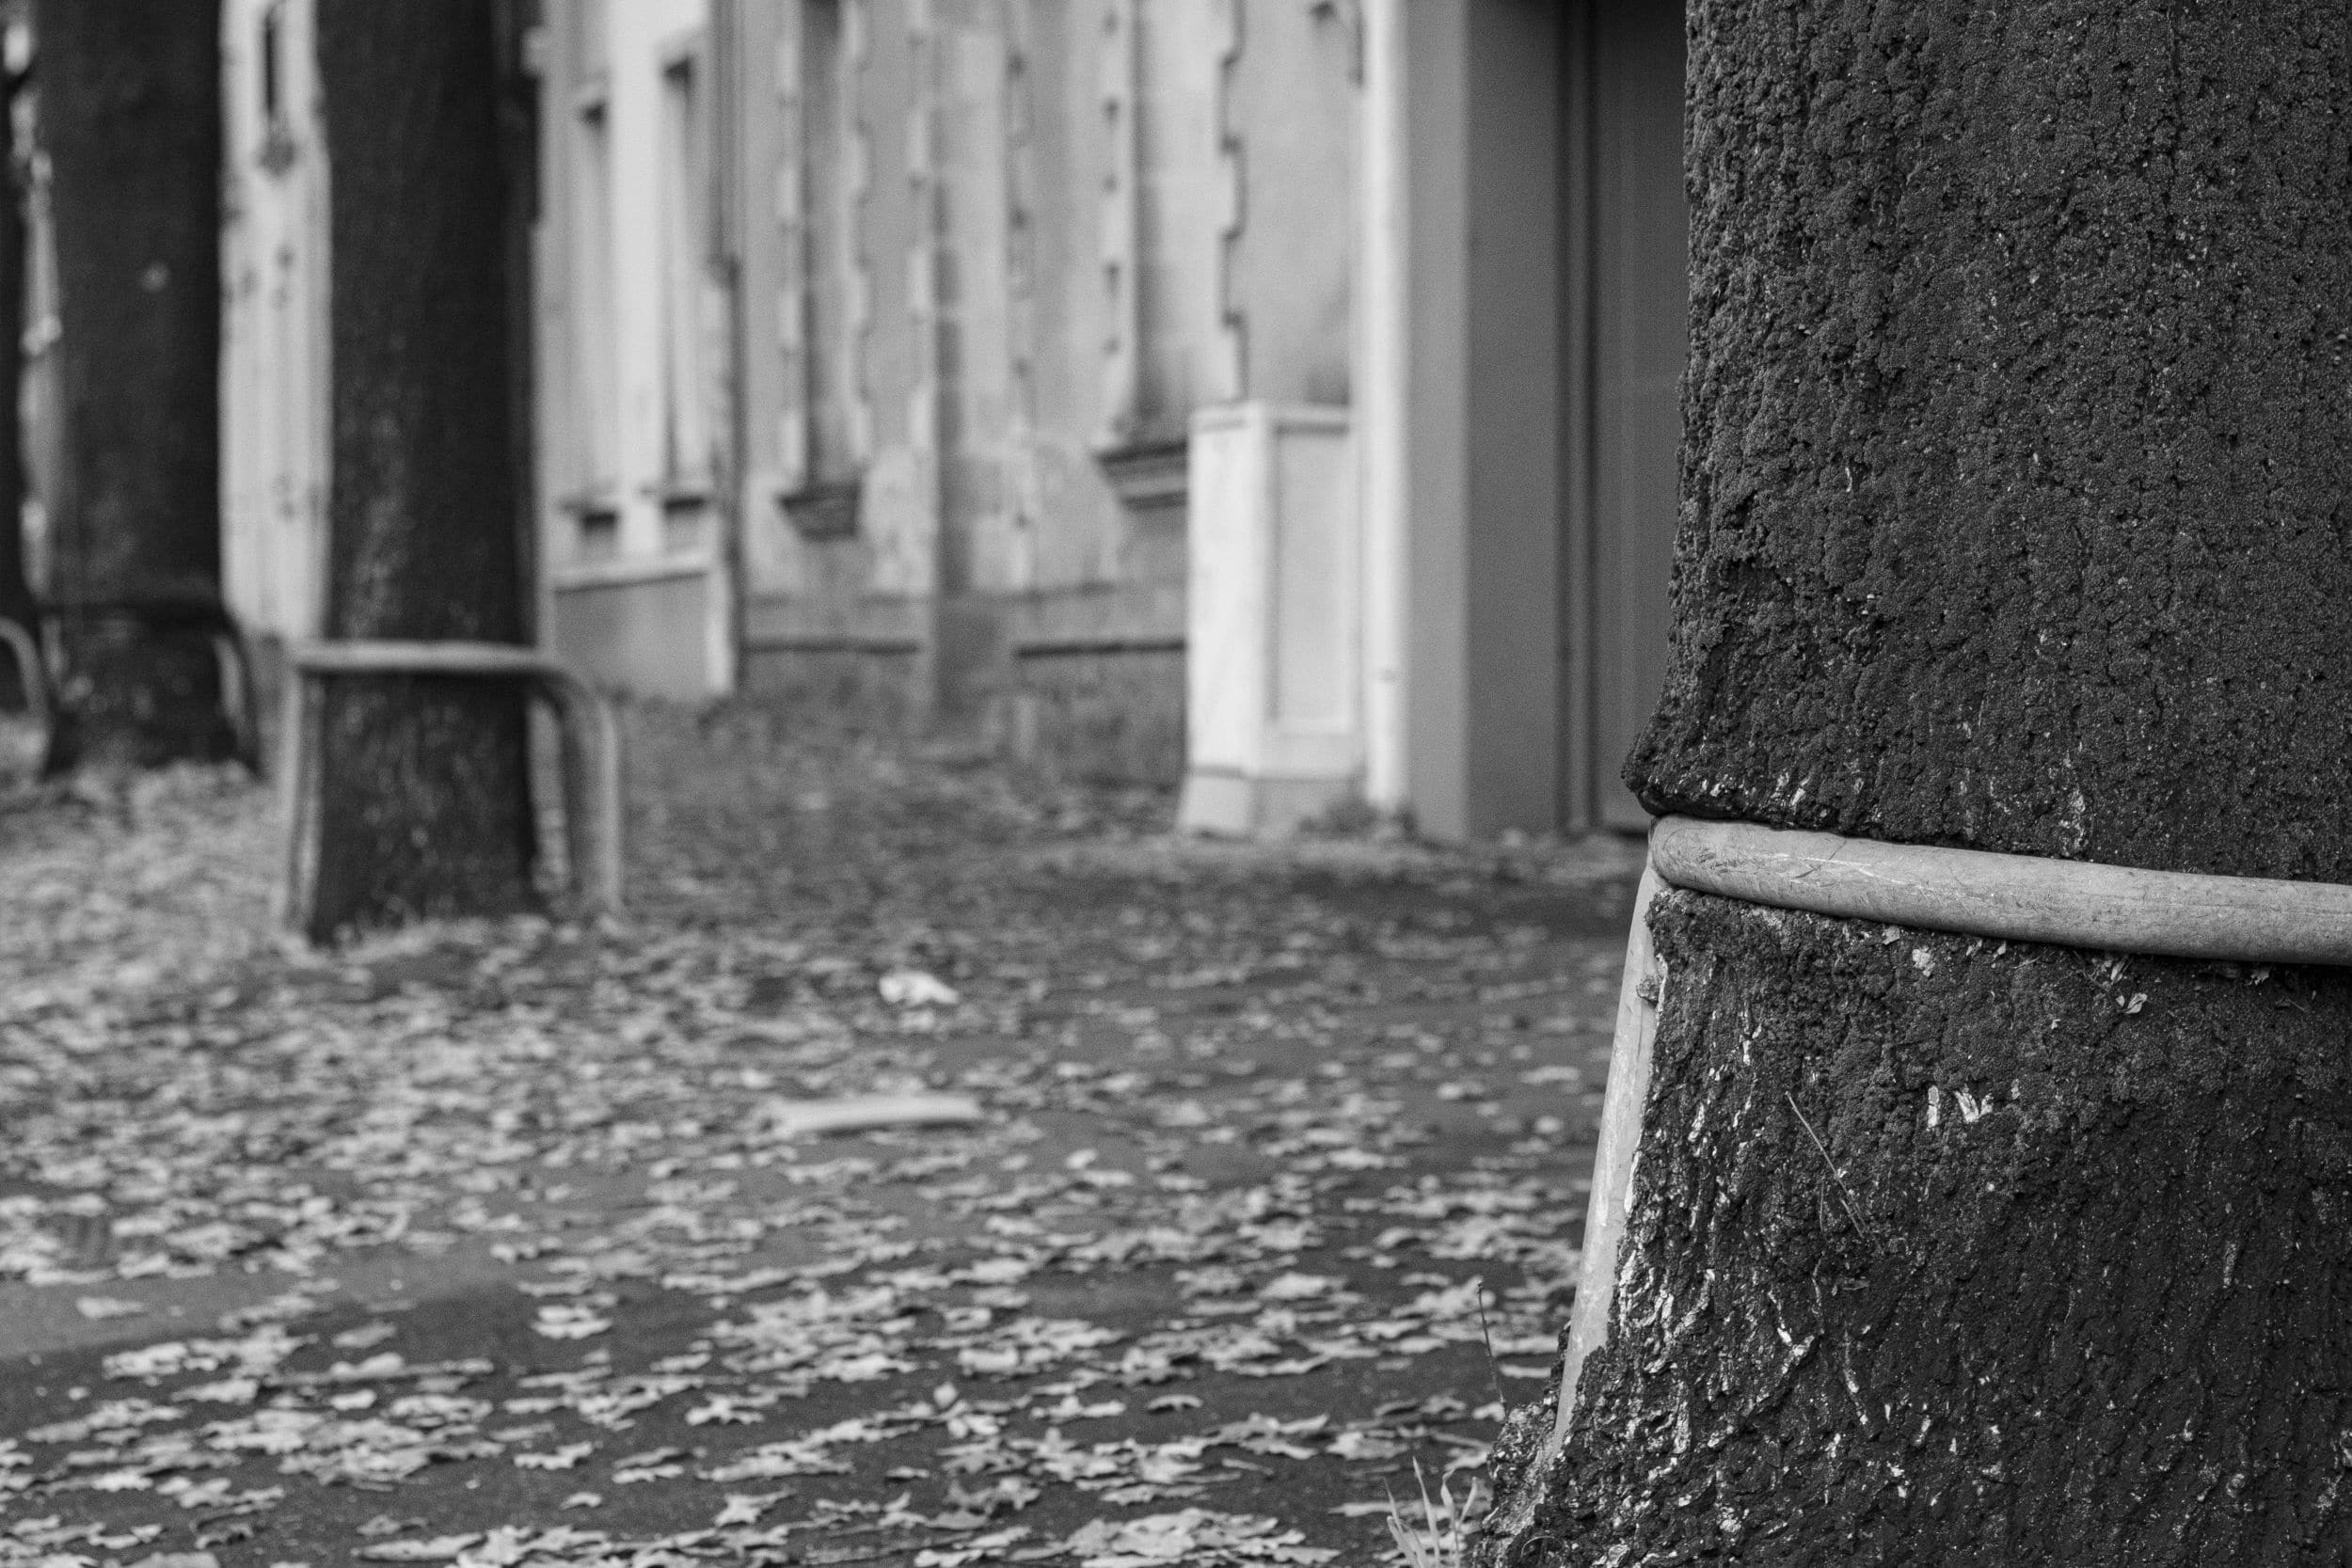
x=1293, y=1123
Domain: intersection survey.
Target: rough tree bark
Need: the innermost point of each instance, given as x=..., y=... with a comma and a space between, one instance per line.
x=131, y=123
x=2015, y=477
x=423, y=804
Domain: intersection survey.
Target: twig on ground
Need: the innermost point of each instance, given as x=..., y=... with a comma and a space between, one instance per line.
x=860, y=1112
x=1494, y=1375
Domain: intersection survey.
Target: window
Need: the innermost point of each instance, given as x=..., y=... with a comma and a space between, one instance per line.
x=1178, y=313
x=586, y=172
x=599, y=533
x=273, y=41
x=828, y=246
x=275, y=154
x=685, y=423
x=596, y=369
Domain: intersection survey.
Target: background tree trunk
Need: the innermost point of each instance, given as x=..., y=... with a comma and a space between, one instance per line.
x=131, y=123
x=2015, y=486
x=424, y=802
x=16, y=593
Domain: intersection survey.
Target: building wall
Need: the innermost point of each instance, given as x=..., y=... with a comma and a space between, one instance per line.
x=1524, y=331
x=992, y=256
x=635, y=344
x=1638, y=305
x=871, y=357
x=1289, y=114
x=871, y=335
x=1510, y=662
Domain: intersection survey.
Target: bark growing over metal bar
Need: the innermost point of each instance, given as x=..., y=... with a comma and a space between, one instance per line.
x=2015, y=518
x=2065, y=1279
x=129, y=121
x=424, y=803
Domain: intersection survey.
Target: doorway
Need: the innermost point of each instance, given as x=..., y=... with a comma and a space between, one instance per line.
x=1624, y=304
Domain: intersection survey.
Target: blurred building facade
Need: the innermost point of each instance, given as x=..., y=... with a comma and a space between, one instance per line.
x=1275, y=394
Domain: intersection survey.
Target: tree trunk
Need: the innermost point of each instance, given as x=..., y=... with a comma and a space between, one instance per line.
x=423, y=804
x=16, y=592
x=2015, y=481
x=131, y=123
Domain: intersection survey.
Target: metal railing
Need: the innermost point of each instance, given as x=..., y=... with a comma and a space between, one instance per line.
x=30, y=673
x=590, y=745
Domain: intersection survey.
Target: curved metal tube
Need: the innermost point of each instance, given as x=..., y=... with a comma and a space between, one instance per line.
x=591, y=741
x=2118, y=909
x=30, y=672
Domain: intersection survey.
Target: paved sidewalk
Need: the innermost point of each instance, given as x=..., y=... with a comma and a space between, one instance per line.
x=493, y=1244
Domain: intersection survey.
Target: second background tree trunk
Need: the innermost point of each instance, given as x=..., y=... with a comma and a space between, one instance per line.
x=423, y=804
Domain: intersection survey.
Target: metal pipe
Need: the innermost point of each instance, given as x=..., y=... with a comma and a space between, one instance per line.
x=30, y=672
x=2119, y=909
x=591, y=734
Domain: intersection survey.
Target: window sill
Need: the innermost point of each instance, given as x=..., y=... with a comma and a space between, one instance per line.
x=598, y=501
x=1147, y=475
x=822, y=511
x=623, y=571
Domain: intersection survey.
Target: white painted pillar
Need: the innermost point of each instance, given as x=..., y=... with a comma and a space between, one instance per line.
x=1273, y=627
